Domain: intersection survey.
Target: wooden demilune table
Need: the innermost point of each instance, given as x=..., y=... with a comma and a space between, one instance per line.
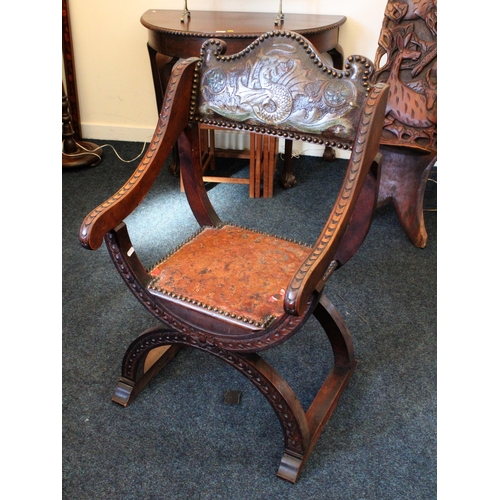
x=169, y=40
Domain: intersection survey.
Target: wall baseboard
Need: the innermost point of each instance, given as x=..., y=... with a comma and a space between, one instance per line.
x=111, y=132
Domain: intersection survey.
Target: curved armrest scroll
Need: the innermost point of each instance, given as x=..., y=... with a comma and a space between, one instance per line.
x=173, y=119
x=320, y=263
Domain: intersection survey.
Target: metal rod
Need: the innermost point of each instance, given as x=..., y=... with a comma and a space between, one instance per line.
x=280, y=18
x=186, y=11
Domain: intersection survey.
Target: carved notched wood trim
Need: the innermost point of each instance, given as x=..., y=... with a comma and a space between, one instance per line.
x=293, y=421
x=318, y=262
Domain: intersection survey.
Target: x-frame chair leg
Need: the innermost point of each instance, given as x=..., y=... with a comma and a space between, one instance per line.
x=153, y=349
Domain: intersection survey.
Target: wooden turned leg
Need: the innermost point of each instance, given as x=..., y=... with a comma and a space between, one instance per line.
x=144, y=358
x=403, y=179
x=329, y=154
x=287, y=178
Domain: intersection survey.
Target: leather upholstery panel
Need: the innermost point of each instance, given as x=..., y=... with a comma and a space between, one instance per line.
x=235, y=270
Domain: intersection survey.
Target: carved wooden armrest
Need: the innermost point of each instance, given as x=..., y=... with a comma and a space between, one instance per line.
x=171, y=123
x=320, y=263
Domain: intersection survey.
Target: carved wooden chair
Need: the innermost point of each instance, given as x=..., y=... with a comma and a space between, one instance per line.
x=233, y=291
x=406, y=59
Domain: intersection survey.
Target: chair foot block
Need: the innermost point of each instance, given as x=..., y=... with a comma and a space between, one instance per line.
x=154, y=360
x=123, y=392
x=290, y=468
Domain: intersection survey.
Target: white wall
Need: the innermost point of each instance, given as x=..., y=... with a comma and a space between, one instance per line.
x=116, y=95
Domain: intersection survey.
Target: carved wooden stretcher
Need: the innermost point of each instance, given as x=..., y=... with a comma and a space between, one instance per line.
x=232, y=291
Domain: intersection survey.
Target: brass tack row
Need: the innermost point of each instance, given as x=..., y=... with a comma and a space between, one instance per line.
x=270, y=131
x=152, y=285
x=264, y=324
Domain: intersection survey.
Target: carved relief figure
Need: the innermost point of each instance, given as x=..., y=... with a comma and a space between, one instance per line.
x=282, y=93
x=407, y=59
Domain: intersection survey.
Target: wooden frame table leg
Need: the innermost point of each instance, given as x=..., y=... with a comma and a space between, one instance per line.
x=287, y=178
x=270, y=157
x=255, y=165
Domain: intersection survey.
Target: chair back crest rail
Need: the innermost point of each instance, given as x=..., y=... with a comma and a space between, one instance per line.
x=280, y=86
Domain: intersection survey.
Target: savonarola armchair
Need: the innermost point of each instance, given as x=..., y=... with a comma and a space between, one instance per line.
x=234, y=291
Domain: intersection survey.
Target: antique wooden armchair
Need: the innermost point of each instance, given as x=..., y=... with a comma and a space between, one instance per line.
x=232, y=291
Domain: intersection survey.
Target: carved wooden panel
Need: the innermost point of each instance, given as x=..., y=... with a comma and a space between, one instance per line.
x=406, y=58
x=279, y=85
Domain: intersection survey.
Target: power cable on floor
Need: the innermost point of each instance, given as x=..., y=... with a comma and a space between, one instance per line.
x=93, y=152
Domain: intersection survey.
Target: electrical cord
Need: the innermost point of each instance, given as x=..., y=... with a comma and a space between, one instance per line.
x=296, y=154
x=93, y=152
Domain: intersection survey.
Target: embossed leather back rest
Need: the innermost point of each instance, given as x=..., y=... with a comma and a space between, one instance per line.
x=406, y=59
x=279, y=85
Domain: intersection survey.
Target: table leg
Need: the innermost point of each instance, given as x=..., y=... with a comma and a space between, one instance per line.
x=287, y=178
x=337, y=55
